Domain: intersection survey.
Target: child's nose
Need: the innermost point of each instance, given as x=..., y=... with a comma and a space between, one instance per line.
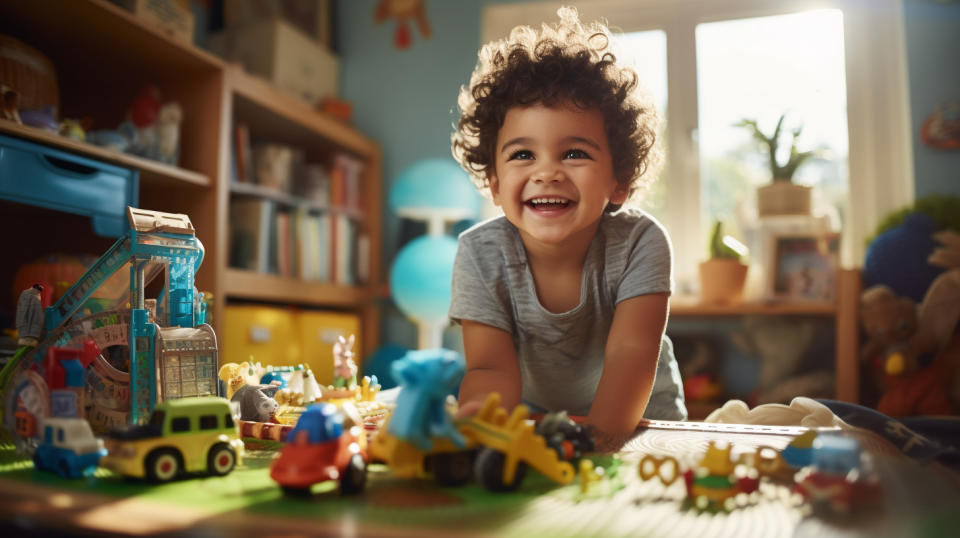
x=547, y=175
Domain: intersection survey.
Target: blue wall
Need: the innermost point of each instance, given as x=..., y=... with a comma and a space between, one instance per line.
x=406, y=99
x=933, y=43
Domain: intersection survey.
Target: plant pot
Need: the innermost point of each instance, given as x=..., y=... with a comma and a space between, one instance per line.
x=783, y=198
x=722, y=280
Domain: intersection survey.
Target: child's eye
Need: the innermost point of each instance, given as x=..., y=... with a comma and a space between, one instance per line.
x=521, y=154
x=576, y=154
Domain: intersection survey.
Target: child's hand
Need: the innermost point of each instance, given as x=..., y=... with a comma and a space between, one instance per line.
x=468, y=409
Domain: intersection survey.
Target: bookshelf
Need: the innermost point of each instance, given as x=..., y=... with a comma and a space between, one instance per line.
x=103, y=55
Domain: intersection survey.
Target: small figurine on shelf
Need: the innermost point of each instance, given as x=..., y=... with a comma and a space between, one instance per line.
x=344, y=368
x=167, y=147
x=9, y=104
x=30, y=316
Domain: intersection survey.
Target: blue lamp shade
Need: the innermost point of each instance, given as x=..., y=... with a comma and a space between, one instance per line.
x=420, y=277
x=434, y=187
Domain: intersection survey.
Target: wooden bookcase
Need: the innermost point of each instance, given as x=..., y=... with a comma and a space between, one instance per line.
x=103, y=57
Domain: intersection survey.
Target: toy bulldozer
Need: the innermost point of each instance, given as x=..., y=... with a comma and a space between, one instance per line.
x=497, y=449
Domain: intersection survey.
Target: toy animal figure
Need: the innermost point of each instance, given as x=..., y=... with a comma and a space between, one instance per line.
x=257, y=403
x=426, y=378
x=167, y=148
x=311, y=389
x=235, y=376
x=344, y=369
x=918, y=347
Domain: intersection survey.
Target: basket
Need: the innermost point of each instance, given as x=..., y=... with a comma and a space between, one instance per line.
x=31, y=74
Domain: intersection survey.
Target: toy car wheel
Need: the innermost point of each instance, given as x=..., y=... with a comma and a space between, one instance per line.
x=163, y=465
x=354, y=476
x=452, y=468
x=489, y=471
x=37, y=462
x=221, y=460
x=63, y=469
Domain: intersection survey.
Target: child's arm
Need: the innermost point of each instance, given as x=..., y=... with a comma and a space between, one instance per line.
x=630, y=364
x=491, y=367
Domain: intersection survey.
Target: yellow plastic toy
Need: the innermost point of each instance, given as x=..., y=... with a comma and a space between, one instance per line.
x=183, y=436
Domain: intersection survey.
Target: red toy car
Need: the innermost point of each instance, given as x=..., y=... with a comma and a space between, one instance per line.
x=321, y=448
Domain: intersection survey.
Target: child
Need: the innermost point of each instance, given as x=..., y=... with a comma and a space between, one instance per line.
x=563, y=301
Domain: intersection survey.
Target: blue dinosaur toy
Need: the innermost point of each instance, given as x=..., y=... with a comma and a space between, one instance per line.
x=426, y=377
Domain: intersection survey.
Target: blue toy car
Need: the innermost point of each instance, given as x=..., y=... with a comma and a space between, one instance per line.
x=67, y=446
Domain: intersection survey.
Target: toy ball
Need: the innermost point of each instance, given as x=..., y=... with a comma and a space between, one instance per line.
x=420, y=278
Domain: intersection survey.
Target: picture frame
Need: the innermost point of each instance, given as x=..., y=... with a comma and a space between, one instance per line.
x=804, y=267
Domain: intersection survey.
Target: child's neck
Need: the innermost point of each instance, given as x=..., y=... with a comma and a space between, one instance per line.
x=557, y=270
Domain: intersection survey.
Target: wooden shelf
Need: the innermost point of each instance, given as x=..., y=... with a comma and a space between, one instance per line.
x=262, y=104
x=243, y=284
x=151, y=172
x=692, y=307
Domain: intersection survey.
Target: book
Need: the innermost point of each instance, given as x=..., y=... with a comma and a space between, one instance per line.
x=250, y=225
x=243, y=152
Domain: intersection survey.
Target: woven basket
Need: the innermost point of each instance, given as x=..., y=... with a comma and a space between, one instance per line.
x=28, y=72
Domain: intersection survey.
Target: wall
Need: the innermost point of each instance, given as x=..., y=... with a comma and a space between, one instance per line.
x=406, y=99
x=933, y=39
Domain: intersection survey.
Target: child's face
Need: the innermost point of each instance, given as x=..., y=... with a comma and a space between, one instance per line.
x=554, y=173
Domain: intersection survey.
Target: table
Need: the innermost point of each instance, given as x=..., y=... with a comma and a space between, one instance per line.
x=246, y=502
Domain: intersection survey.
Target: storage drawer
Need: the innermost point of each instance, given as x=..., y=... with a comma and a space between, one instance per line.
x=317, y=331
x=38, y=175
x=267, y=334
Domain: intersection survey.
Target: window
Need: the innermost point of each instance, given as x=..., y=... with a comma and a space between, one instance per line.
x=227, y=421
x=845, y=79
x=208, y=422
x=180, y=424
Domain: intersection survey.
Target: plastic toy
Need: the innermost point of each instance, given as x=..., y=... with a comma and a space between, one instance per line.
x=799, y=452
x=9, y=104
x=837, y=482
x=321, y=448
x=170, y=351
x=30, y=316
x=256, y=403
x=183, y=436
x=68, y=447
x=420, y=436
x=569, y=439
x=344, y=369
x=712, y=485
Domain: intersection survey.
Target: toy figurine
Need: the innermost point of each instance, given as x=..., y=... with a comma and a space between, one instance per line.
x=427, y=377
x=9, y=104
x=256, y=402
x=167, y=141
x=30, y=316
x=837, y=481
x=344, y=369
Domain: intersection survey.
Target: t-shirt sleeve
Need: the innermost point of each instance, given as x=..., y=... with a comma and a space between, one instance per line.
x=478, y=290
x=649, y=266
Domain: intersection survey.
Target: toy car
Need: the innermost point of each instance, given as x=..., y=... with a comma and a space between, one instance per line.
x=197, y=434
x=68, y=447
x=321, y=448
x=838, y=482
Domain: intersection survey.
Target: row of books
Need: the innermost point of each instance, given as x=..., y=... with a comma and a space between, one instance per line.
x=296, y=242
x=284, y=168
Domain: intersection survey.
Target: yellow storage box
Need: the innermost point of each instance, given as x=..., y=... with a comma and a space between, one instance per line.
x=268, y=334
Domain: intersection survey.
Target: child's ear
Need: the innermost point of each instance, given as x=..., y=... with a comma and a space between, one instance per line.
x=619, y=195
x=494, y=183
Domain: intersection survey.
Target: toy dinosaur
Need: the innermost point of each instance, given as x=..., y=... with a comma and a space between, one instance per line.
x=427, y=378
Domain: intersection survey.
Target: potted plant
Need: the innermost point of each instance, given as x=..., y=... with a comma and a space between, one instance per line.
x=723, y=275
x=781, y=196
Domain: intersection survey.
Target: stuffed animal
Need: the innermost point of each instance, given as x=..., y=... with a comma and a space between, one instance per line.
x=914, y=350
x=257, y=403
x=344, y=369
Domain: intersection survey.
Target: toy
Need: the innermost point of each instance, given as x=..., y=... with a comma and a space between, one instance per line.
x=402, y=10
x=9, y=104
x=799, y=452
x=837, y=482
x=188, y=435
x=168, y=353
x=712, y=485
x=256, y=402
x=344, y=369
x=43, y=118
x=320, y=448
x=68, y=447
x=569, y=439
x=420, y=435
x=30, y=316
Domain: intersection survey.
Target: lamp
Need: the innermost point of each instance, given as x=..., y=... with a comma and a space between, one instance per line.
x=434, y=191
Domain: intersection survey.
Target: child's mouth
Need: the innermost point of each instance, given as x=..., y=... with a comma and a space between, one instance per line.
x=548, y=203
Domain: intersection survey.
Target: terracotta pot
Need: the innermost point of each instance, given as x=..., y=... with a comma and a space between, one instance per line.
x=722, y=280
x=783, y=198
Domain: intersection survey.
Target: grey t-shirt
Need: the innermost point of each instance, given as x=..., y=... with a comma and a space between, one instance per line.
x=561, y=355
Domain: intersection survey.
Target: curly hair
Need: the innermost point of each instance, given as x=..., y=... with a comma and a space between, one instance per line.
x=564, y=64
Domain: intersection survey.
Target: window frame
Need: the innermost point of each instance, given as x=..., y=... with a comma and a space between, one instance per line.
x=881, y=176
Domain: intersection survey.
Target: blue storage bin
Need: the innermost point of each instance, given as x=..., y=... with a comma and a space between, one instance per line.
x=43, y=176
